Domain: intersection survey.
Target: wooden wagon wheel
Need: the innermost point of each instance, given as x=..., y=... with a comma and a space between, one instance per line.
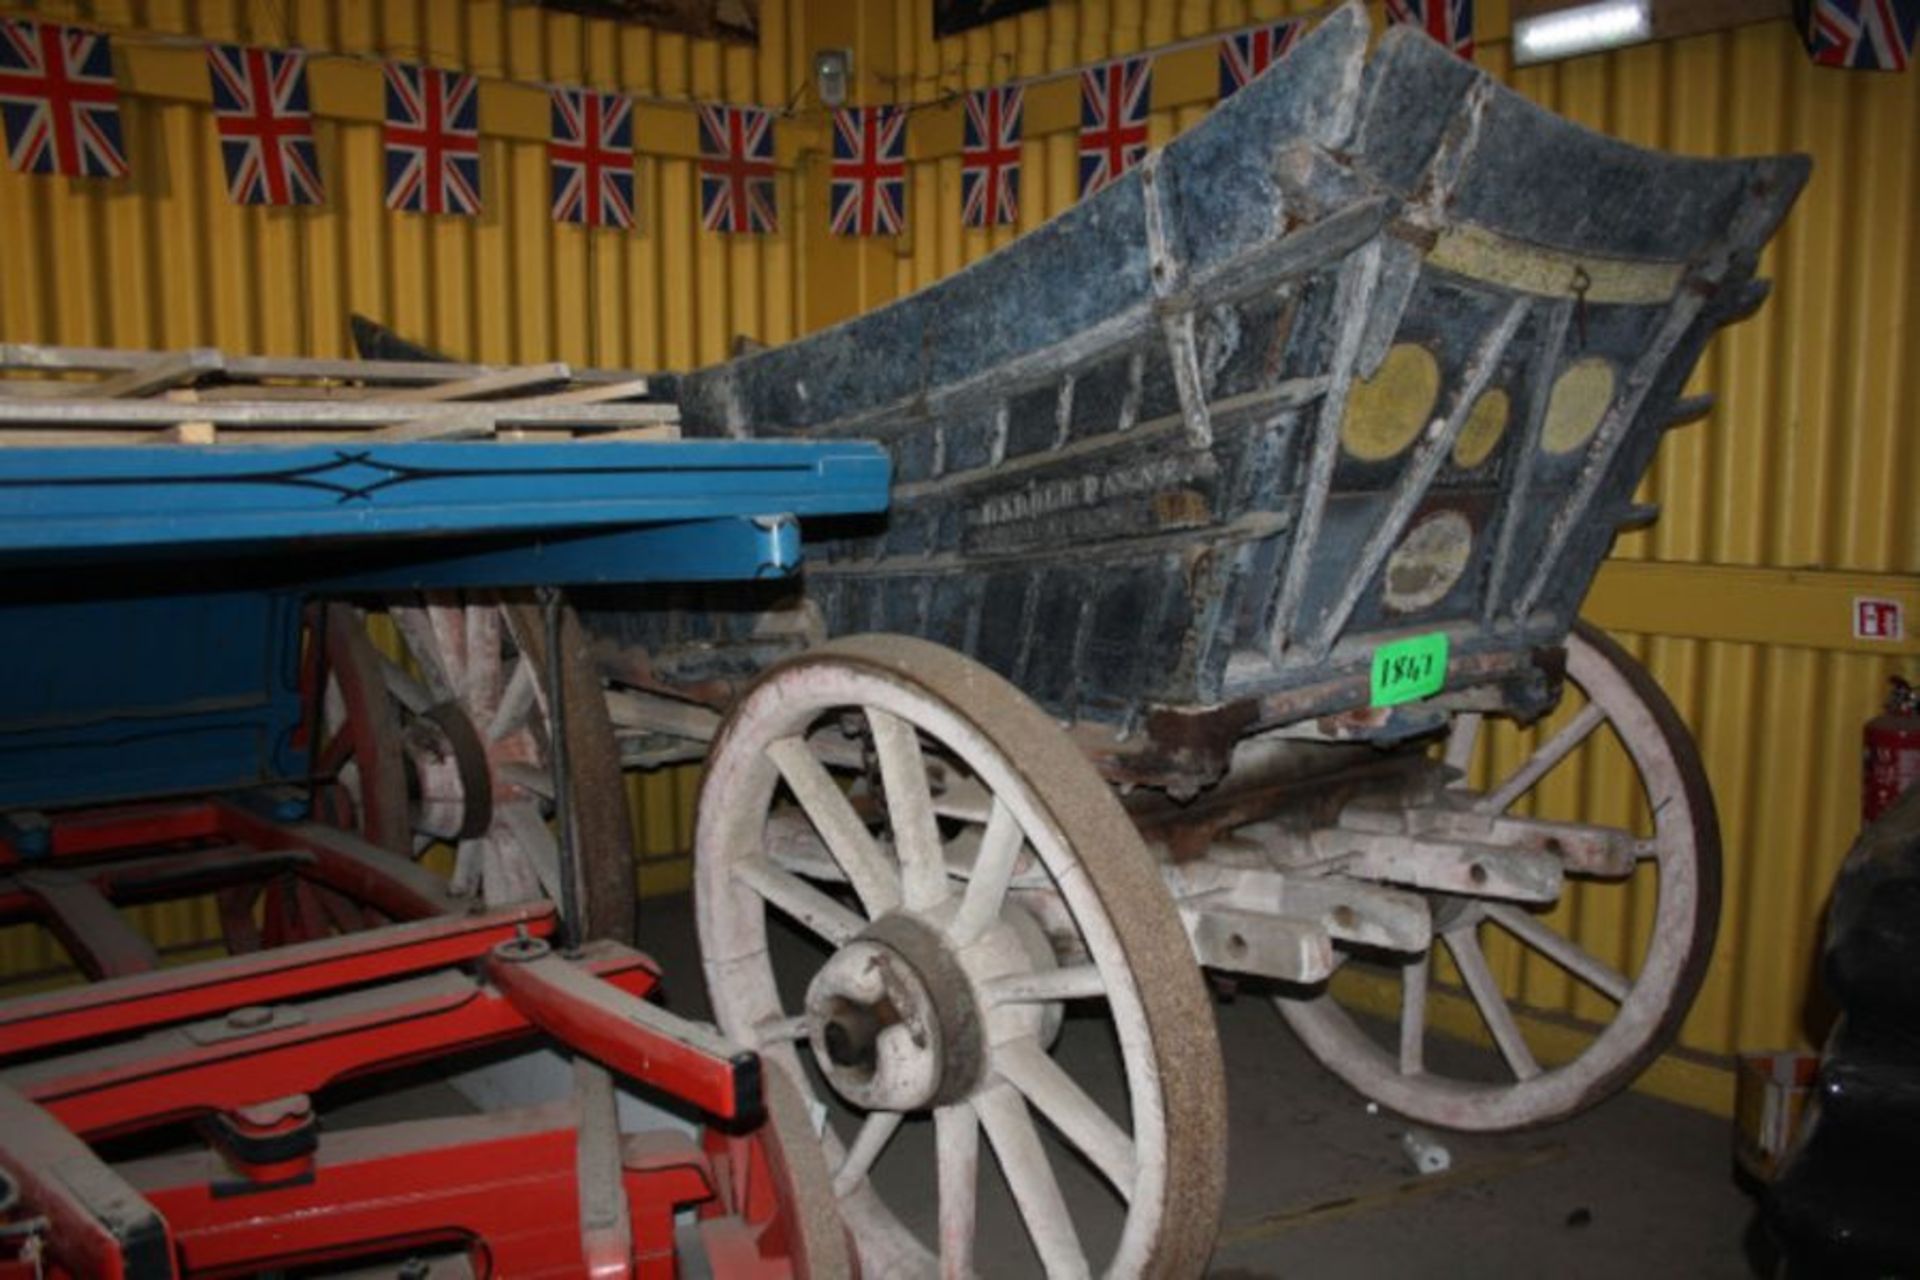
x=1679, y=865
x=454, y=742
x=936, y=997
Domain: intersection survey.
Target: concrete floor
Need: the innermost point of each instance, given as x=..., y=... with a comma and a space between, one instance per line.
x=1317, y=1186
x=1320, y=1186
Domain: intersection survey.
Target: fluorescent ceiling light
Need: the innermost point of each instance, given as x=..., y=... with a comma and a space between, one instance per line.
x=1586, y=28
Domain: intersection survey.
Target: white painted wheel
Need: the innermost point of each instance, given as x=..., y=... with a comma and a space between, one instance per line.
x=462, y=723
x=1678, y=867
x=966, y=873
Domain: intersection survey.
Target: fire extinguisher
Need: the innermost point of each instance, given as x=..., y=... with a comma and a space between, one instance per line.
x=1892, y=758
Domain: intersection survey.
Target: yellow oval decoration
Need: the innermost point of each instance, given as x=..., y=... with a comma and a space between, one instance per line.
x=1482, y=430
x=1580, y=399
x=1389, y=410
x=1428, y=562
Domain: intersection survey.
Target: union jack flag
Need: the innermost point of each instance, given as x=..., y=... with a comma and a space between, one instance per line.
x=591, y=155
x=990, y=158
x=868, y=194
x=736, y=170
x=1865, y=35
x=432, y=140
x=1245, y=54
x=265, y=122
x=1114, y=99
x=58, y=99
x=1448, y=21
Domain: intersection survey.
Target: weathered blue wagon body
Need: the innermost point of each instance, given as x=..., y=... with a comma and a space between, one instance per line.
x=1379, y=349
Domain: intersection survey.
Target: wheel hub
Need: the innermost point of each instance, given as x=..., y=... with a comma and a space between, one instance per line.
x=449, y=776
x=894, y=1021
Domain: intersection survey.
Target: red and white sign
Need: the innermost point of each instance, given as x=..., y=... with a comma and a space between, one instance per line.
x=1876, y=618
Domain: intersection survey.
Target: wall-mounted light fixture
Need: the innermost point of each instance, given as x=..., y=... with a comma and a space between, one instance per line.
x=832, y=72
x=1584, y=28
x=1544, y=30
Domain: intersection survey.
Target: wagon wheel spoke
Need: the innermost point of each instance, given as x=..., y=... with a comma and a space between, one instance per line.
x=446, y=619
x=481, y=680
x=1055, y=1095
x=528, y=777
x=1545, y=757
x=1413, y=1014
x=469, y=858
x=1029, y=1174
x=957, y=1143
x=875, y=1132
x=1563, y=951
x=417, y=629
x=1485, y=990
x=1463, y=738
x=516, y=702
x=1076, y=982
x=852, y=845
x=406, y=690
x=782, y=1030
x=916, y=829
x=992, y=872
x=528, y=853
x=800, y=900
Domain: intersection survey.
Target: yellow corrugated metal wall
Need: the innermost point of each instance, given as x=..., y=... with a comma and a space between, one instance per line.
x=1795, y=495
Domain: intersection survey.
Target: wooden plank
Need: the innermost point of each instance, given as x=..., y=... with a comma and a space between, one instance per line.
x=32, y=355
x=41, y=388
x=487, y=384
x=388, y=371
x=49, y=357
x=470, y=424
x=632, y=389
x=167, y=371
x=548, y=435
x=324, y=392
x=341, y=416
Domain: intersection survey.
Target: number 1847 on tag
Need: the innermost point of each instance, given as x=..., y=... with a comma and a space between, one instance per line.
x=1409, y=669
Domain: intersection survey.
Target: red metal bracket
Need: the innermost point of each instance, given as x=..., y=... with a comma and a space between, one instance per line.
x=34, y=1024
x=691, y=1061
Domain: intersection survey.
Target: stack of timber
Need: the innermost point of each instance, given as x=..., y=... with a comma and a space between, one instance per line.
x=52, y=397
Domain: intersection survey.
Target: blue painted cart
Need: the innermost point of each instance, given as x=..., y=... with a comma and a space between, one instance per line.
x=194, y=629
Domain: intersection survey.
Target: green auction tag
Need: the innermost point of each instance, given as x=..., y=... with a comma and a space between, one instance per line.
x=1409, y=669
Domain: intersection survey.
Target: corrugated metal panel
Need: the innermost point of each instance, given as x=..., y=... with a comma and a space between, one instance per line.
x=1808, y=461
x=164, y=259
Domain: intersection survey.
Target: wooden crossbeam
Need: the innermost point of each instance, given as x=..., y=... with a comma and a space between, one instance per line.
x=38, y=356
x=349, y=415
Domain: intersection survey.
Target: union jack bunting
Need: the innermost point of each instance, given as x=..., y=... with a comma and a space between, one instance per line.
x=868, y=194
x=1245, y=54
x=1864, y=35
x=1448, y=21
x=1114, y=99
x=990, y=157
x=432, y=140
x=591, y=155
x=58, y=99
x=736, y=170
x=265, y=122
